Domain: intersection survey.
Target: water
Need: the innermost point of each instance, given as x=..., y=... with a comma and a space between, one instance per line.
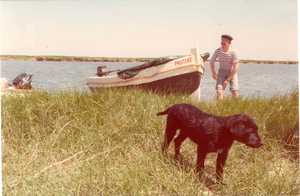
x=254, y=79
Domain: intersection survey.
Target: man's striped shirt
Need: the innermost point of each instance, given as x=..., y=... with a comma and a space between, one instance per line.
x=226, y=59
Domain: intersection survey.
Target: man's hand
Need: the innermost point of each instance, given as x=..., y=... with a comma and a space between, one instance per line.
x=215, y=76
x=225, y=82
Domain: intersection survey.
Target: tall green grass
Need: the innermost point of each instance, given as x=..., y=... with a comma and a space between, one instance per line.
x=78, y=143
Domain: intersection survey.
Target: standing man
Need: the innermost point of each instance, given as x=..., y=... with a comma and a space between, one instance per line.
x=229, y=65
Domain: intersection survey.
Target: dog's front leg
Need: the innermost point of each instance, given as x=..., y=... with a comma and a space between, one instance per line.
x=201, y=154
x=222, y=156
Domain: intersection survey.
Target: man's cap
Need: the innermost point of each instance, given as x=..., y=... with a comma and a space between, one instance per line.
x=227, y=37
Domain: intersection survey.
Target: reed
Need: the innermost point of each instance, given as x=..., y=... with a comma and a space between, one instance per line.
x=79, y=143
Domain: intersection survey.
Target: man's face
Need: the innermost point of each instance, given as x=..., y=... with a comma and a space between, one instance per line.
x=225, y=43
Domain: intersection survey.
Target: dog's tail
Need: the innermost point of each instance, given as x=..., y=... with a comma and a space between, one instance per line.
x=163, y=113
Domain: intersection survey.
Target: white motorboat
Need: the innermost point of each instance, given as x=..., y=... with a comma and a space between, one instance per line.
x=166, y=74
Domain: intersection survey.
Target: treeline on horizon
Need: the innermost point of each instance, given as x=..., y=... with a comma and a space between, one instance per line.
x=113, y=59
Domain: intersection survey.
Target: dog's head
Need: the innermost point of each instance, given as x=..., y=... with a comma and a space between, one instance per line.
x=245, y=130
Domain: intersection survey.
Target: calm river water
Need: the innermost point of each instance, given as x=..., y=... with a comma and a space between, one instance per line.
x=254, y=79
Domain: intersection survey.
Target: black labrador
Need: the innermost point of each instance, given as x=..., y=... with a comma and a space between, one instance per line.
x=211, y=133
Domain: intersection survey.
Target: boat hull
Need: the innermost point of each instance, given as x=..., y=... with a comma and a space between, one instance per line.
x=184, y=84
x=182, y=75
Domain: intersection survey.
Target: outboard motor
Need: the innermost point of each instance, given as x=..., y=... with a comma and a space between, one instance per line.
x=102, y=71
x=23, y=81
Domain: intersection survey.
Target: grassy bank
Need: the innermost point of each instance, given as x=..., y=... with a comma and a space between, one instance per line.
x=72, y=59
x=110, y=59
x=267, y=62
x=73, y=143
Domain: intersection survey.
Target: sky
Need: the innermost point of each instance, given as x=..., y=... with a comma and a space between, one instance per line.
x=261, y=29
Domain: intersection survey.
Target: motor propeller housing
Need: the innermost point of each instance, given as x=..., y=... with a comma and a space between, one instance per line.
x=22, y=81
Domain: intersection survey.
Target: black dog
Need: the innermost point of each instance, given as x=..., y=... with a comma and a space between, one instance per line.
x=211, y=133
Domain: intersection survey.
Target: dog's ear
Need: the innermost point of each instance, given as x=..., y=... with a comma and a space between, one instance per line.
x=237, y=129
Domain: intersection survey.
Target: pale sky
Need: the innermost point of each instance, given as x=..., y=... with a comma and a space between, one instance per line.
x=262, y=29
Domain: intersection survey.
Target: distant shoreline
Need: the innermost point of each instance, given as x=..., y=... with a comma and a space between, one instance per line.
x=111, y=59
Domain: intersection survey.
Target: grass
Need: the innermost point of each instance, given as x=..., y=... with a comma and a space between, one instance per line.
x=78, y=143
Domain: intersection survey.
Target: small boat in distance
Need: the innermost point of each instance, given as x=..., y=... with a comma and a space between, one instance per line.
x=166, y=74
